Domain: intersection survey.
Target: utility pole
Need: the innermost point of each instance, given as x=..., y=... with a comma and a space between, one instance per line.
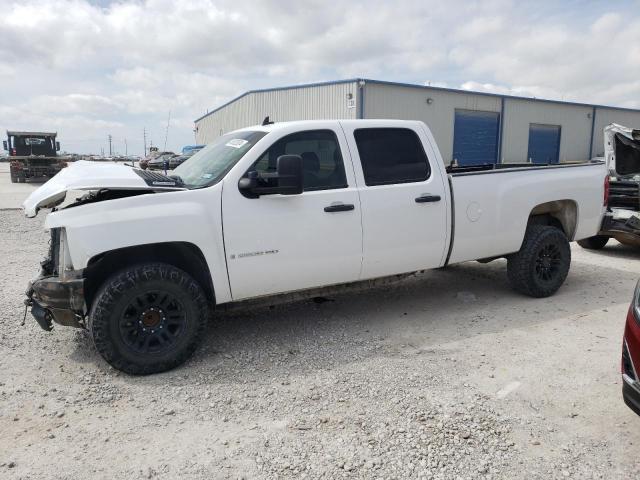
x=166, y=133
x=126, y=152
x=110, y=138
x=144, y=136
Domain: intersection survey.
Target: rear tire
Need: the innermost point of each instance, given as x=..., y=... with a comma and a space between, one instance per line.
x=14, y=179
x=148, y=318
x=542, y=264
x=594, y=243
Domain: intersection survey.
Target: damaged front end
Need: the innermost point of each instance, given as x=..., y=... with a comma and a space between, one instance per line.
x=57, y=294
x=622, y=154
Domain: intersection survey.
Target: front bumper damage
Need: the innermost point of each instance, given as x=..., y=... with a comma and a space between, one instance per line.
x=57, y=294
x=57, y=299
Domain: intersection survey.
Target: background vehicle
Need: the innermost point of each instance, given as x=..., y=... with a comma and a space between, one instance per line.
x=191, y=149
x=153, y=154
x=631, y=355
x=290, y=207
x=180, y=159
x=33, y=154
x=161, y=162
x=622, y=220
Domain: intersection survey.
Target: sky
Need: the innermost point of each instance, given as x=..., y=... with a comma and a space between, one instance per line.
x=89, y=69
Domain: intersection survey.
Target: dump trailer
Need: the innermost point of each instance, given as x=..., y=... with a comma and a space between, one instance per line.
x=33, y=154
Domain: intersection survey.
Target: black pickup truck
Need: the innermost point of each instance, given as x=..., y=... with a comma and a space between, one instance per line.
x=33, y=154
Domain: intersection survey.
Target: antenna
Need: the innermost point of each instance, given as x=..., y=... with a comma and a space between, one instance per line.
x=266, y=121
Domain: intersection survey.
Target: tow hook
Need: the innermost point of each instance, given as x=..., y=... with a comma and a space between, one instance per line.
x=42, y=315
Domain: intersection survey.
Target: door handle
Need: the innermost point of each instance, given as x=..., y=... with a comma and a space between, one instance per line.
x=339, y=207
x=428, y=198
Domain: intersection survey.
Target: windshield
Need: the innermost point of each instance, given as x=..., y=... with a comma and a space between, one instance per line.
x=212, y=162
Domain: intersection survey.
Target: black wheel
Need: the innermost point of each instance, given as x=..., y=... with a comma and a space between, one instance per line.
x=542, y=264
x=21, y=179
x=14, y=178
x=148, y=318
x=594, y=243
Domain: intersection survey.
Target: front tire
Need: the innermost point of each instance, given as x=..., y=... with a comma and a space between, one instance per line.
x=542, y=264
x=148, y=318
x=594, y=243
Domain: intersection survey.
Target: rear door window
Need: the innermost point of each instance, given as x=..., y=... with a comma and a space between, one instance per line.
x=391, y=155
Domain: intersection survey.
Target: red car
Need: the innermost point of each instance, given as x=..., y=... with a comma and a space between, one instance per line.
x=631, y=355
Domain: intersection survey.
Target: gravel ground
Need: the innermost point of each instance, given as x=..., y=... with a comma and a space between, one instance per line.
x=446, y=375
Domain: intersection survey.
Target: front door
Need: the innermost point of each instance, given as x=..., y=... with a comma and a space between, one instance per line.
x=403, y=197
x=280, y=243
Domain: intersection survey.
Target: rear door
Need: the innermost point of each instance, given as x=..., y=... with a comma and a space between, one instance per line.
x=281, y=243
x=403, y=198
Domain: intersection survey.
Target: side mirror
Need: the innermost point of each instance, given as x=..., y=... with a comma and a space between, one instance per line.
x=57, y=146
x=4, y=144
x=288, y=178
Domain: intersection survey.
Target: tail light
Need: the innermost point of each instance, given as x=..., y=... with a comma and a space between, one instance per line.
x=606, y=190
x=635, y=304
x=626, y=364
x=13, y=152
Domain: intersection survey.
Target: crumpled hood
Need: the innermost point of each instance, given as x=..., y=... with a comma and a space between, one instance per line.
x=92, y=176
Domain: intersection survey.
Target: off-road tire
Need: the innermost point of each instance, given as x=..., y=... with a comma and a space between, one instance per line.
x=594, y=243
x=526, y=269
x=115, y=299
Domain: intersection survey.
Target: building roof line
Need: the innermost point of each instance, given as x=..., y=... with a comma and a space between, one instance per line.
x=413, y=85
x=275, y=89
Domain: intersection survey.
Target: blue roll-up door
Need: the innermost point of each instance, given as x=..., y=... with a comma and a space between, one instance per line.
x=544, y=143
x=475, y=137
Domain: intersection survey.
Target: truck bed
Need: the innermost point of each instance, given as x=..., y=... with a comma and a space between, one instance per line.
x=485, y=197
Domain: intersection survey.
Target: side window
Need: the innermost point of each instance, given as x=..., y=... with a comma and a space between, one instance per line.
x=322, y=164
x=391, y=155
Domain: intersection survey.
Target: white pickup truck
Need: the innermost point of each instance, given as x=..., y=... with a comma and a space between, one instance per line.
x=141, y=259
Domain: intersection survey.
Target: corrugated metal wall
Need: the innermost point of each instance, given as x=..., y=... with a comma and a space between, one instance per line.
x=574, y=122
x=604, y=116
x=436, y=107
x=411, y=103
x=300, y=103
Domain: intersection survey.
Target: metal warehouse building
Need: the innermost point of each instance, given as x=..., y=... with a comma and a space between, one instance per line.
x=470, y=127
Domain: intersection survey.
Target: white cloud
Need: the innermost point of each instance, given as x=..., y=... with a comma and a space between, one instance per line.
x=90, y=70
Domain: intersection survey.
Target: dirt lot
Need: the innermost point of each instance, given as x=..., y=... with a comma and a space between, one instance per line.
x=446, y=375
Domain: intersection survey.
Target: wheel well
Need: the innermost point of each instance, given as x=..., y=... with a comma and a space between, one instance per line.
x=183, y=255
x=558, y=213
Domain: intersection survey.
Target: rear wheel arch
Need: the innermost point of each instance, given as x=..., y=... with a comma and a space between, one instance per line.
x=562, y=214
x=183, y=255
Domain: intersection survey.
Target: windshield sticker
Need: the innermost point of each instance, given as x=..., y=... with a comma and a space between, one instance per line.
x=237, y=143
